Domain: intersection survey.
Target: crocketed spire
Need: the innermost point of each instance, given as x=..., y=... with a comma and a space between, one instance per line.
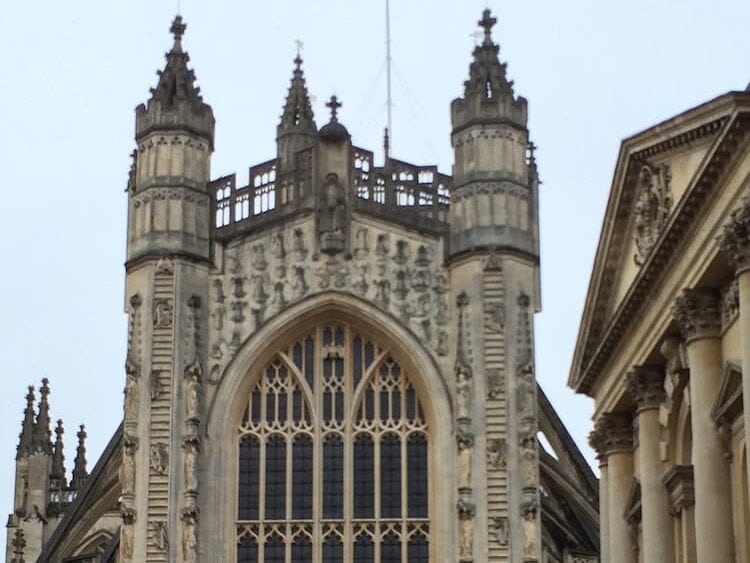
x=57, y=473
x=80, y=475
x=26, y=438
x=297, y=116
x=487, y=74
x=42, y=438
x=176, y=81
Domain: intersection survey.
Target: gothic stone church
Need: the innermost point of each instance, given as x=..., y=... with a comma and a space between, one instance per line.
x=333, y=363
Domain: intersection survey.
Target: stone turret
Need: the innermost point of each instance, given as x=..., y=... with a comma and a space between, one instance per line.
x=296, y=130
x=169, y=207
x=168, y=269
x=493, y=257
x=80, y=473
x=493, y=204
x=58, y=481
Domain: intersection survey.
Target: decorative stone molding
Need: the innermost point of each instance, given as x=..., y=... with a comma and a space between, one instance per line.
x=679, y=483
x=730, y=303
x=596, y=441
x=651, y=208
x=646, y=386
x=734, y=240
x=615, y=430
x=697, y=313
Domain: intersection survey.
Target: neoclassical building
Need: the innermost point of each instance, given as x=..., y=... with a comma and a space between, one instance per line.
x=333, y=363
x=664, y=343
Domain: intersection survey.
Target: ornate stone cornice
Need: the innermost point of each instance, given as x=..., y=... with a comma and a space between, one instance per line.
x=646, y=386
x=679, y=483
x=698, y=313
x=605, y=331
x=615, y=432
x=734, y=240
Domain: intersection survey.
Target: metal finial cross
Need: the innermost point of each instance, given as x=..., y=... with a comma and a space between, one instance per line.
x=487, y=22
x=299, y=45
x=334, y=104
x=178, y=28
x=532, y=149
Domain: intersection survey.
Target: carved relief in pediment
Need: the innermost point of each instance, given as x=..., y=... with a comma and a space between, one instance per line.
x=652, y=207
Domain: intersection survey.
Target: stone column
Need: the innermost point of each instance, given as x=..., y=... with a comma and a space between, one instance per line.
x=697, y=313
x=735, y=244
x=646, y=386
x=616, y=430
x=596, y=441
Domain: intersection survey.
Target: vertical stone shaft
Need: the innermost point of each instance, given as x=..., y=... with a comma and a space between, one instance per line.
x=597, y=443
x=646, y=385
x=697, y=312
x=616, y=431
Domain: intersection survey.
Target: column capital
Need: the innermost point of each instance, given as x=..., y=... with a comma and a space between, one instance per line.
x=734, y=240
x=698, y=313
x=596, y=441
x=646, y=386
x=614, y=432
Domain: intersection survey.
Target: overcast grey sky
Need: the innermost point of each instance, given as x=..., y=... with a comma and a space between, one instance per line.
x=71, y=73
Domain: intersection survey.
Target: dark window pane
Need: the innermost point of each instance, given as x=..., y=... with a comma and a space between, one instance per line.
x=391, y=549
x=274, y=550
x=297, y=405
x=357, y=360
x=275, y=478
x=310, y=361
x=247, y=551
x=333, y=478
x=339, y=335
x=396, y=404
x=333, y=550
x=390, y=477
x=302, y=477
x=417, y=476
x=418, y=550
x=297, y=355
x=339, y=406
x=364, y=477
x=327, y=406
x=301, y=550
x=249, y=479
x=369, y=354
x=411, y=403
x=255, y=406
x=364, y=549
x=327, y=336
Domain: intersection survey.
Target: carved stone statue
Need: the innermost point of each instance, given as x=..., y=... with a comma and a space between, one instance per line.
x=362, y=243
x=465, y=442
x=497, y=453
x=466, y=512
x=162, y=312
x=161, y=536
x=651, y=208
x=332, y=222
x=530, y=532
x=463, y=392
x=131, y=397
x=277, y=246
x=501, y=530
x=159, y=458
x=191, y=468
x=189, y=543
x=127, y=470
x=126, y=542
x=193, y=388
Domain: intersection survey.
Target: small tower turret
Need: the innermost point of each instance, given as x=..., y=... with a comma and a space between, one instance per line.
x=169, y=208
x=80, y=473
x=26, y=438
x=57, y=479
x=297, y=128
x=492, y=205
x=42, y=436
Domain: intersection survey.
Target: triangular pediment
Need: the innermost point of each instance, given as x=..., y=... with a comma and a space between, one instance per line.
x=661, y=178
x=728, y=405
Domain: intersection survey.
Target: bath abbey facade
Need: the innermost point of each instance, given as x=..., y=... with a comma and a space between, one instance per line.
x=332, y=363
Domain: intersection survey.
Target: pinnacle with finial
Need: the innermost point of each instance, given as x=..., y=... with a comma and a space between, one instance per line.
x=487, y=22
x=178, y=28
x=42, y=434
x=334, y=106
x=58, y=459
x=80, y=474
x=26, y=439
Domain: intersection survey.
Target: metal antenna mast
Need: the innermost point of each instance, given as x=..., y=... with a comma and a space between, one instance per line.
x=388, y=64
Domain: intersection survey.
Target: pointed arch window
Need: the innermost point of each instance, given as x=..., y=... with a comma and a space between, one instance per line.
x=333, y=456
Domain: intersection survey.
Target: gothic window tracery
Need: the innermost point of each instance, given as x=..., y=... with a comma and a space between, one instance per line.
x=333, y=456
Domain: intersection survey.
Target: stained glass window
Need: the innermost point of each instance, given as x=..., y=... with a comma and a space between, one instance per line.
x=333, y=445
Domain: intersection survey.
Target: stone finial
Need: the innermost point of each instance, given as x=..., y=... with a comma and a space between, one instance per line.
x=487, y=23
x=646, y=386
x=57, y=473
x=734, y=240
x=698, y=313
x=615, y=430
x=333, y=104
x=176, y=81
x=42, y=437
x=26, y=438
x=80, y=474
x=297, y=115
x=178, y=28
